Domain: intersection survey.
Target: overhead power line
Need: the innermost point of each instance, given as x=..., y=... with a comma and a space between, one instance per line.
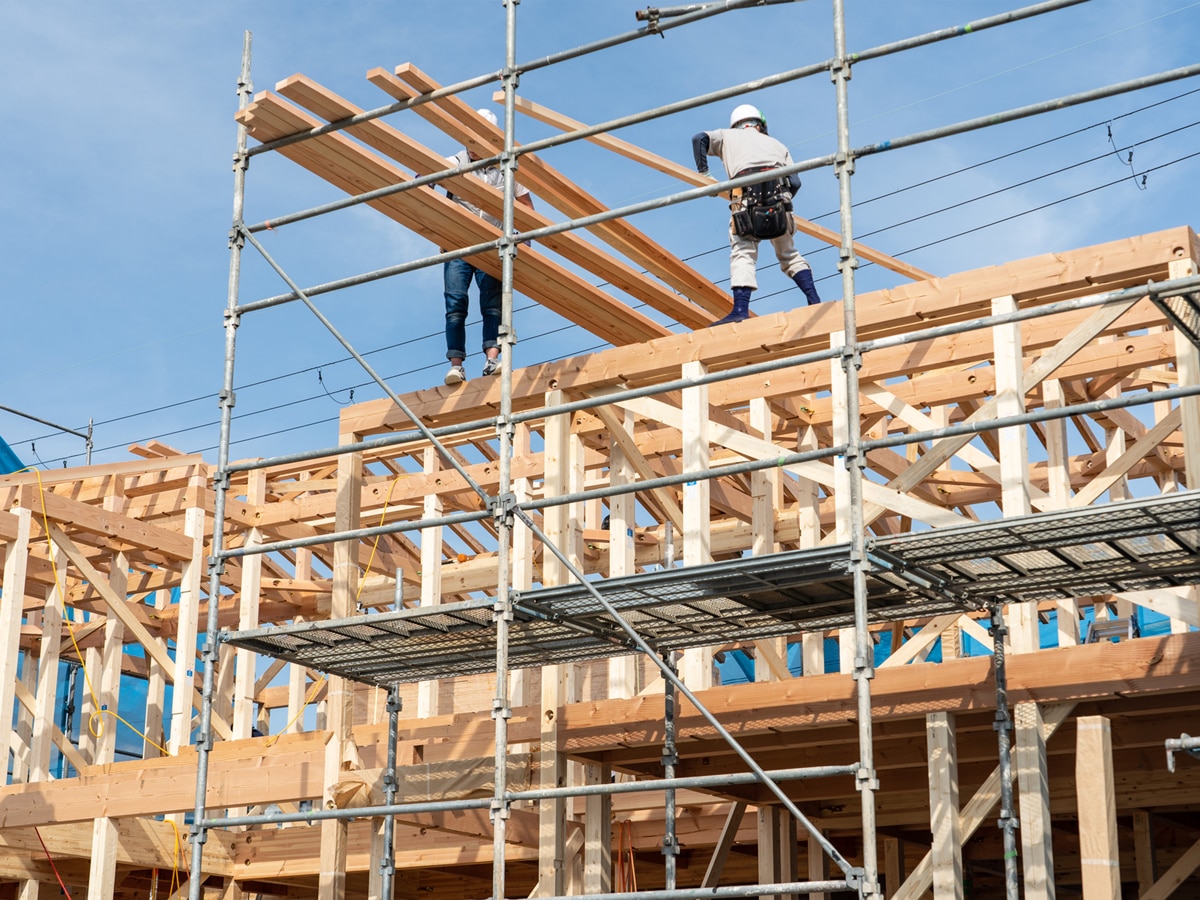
x=910, y=187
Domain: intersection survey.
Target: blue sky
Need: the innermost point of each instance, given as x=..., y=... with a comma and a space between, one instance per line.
x=116, y=191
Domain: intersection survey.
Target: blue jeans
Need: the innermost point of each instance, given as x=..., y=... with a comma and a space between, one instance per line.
x=457, y=279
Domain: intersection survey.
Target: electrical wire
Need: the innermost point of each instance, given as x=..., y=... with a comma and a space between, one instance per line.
x=823, y=248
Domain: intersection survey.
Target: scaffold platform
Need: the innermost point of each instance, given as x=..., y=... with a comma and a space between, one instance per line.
x=1134, y=545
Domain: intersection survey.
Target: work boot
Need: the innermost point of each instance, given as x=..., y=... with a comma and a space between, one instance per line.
x=741, y=308
x=804, y=281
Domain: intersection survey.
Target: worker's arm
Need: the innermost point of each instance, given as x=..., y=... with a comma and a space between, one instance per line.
x=700, y=151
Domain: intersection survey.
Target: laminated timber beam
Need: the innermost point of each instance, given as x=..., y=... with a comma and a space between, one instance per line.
x=564, y=194
x=266, y=770
x=422, y=161
x=956, y=298
x=690, y=177
x=349, y=166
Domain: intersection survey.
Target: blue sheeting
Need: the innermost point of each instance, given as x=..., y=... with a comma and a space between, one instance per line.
x=8, y=460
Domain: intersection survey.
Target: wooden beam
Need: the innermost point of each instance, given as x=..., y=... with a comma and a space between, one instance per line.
x=694, y=179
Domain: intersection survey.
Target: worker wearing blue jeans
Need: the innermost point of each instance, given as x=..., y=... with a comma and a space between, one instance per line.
x=457, y=281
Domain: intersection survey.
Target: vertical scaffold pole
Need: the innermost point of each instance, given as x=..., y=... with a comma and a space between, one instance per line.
x=1003, y=724
x=387, y=865
x=864, y=669
x=504, y=503
x=216, y=563
x=670, y=758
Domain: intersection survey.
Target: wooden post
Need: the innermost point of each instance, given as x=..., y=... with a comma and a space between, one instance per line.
x=818, y=868
x=769, y=869
x=45, y=703
x=622, y=670
x=340, y=695
x=156, y=694
x=1187, y=366
x=943, y=806
x=16, y=556
x=597, y=838
x=1037, y=854
x=431, y=575
x=696, y=667
x=766, y=491
x=189, y=609
x=1099, y=855
x=552, y=765
x=1143, y=850
x=847, y=640
x=893, y=865
x=245, y=660
x=297, y=674
x=102, y=871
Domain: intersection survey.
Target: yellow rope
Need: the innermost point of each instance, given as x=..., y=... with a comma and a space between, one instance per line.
x=371, y=559
x=307, y=700
x=95, y=720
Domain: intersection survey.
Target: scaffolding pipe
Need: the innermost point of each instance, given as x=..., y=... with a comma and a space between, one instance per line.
x=1003, y=725
x=216, y=564
x=1171, y=288
x=701, y=782
x=855, y=462
x=502, y=614
x=387, y=865
x=815, y=833
x=670, y=759
x=782, y=461
x=481, y=80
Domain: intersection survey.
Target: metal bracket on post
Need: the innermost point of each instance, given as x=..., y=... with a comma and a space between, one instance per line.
x=504, y=508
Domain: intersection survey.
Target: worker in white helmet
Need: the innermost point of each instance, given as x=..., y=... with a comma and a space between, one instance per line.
x=761, y=211
x=457, y=275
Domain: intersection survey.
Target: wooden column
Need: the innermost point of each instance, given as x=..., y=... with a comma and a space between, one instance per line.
x=943, y=806
x=769, y=866
x=521, y=572
x=893, y=865
x=696, y=667
x=431, y=574
x=245, y=660
x=840, y=400
x=1014, y=455
x=156, y=695
x=1187, y=366
x=622, y=670
x=1058, y=472
x=340, y=695
x=1099, y=855
x=808, y=513
x=552, y=765
x=766, y=491
x=45, y=704
x=183, y=678
x=102, y=871
x=818, y=868
x=297, y=674
x=16, y=555
x=597, y=837
x=1037, y=854
x=1143, y=850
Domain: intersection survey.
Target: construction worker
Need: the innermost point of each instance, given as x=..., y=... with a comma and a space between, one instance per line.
x=458, y=273
x=761, y=211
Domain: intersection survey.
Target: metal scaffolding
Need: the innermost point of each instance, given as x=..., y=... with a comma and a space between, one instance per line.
x=1119, y=547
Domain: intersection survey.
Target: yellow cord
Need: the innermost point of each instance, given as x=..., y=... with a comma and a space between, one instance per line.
x=95, y=720
x=370, y=559
x=307, y=700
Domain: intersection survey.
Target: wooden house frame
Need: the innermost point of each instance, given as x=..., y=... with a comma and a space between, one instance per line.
x=712, y=454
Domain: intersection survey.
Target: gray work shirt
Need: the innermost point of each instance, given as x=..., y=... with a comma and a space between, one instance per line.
x=740, y=149
x=492, y=175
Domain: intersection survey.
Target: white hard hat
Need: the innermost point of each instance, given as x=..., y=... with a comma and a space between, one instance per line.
x=489, y=115
x=744, y=112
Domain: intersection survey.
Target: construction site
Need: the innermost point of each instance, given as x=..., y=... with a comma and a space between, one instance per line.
x=895, y=595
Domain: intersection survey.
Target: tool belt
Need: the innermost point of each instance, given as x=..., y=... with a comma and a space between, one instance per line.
x=762, y=210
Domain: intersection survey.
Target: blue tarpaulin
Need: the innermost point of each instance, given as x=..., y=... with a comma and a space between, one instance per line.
x=8, y=460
